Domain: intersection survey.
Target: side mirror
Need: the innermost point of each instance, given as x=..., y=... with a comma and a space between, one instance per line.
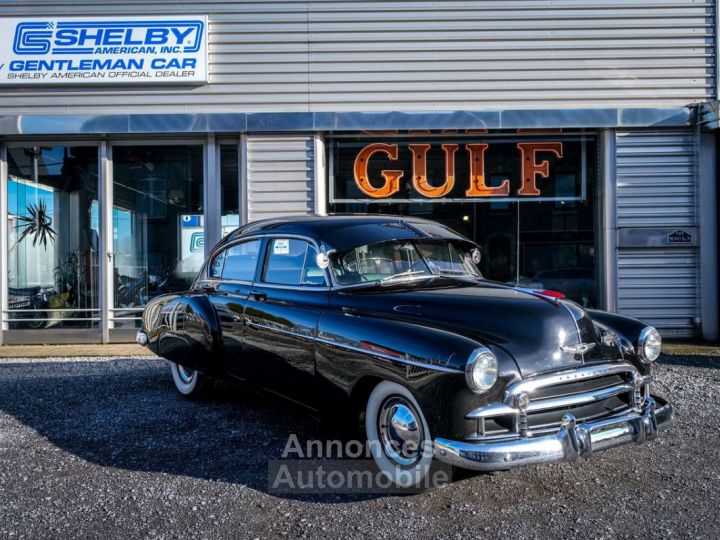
x=322, y=260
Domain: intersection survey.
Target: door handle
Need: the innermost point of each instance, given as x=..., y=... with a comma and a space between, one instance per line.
x=259, y=296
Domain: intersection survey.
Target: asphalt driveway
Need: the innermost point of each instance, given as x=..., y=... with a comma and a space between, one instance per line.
x=105, y=448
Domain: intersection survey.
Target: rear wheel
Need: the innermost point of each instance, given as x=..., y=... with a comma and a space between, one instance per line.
x=398, y=435
x=191, y=383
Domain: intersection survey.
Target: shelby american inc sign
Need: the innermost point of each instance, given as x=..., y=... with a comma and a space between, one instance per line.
x=103, y=50
x=461, y=169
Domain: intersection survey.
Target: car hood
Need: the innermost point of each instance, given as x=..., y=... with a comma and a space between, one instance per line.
x=532, y=329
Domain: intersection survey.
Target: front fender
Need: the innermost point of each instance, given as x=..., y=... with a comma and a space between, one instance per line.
x=627, y=331
x=428, y=361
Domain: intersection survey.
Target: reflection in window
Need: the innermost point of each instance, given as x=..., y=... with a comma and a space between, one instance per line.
x=158, y=223
x=292, y=262
x=52, y=237
x=241, y=261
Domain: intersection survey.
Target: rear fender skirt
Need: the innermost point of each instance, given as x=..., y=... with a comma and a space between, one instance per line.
x=189, y=334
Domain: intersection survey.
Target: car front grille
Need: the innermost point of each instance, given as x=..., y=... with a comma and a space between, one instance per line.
x=588, y=393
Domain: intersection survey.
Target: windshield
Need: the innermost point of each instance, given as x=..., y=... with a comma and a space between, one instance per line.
x=399, y=260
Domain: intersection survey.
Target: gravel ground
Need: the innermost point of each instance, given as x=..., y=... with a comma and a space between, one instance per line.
x=105, y=448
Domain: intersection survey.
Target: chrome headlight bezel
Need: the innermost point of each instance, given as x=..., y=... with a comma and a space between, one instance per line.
x=481, y=370
x=649, y=337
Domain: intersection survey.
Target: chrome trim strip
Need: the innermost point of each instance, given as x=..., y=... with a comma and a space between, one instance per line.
x=494, y=409
x=570, y=375
x=579, y=399
x=326, y=341
x=389, y=357
x=250, y=322
x=77, y=124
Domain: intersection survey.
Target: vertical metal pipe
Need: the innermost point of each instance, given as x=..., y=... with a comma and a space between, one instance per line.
x=707, y=178
x=243, y=173
x=609, y=218
x=106, y=257
x=212, y=194
x=3, y=239
x=320, y=176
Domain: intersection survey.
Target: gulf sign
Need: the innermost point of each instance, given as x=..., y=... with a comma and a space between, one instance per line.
x=426, y=169
x=103, y=50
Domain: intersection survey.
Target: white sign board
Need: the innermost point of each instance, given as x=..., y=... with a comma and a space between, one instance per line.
x=103, y=50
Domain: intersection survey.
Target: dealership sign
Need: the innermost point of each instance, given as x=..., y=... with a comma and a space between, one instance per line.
x=103, y=50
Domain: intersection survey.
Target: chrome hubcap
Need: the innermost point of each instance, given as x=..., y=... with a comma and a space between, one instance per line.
x=401, y=432
x=186, y=375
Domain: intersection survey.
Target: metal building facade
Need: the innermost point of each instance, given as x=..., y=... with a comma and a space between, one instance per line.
x=283, y=75
x=412, y=56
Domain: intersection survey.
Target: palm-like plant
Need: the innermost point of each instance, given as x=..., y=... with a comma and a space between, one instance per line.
x=37, y=223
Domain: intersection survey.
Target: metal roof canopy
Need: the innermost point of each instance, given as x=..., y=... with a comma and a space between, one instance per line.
x=35, y=125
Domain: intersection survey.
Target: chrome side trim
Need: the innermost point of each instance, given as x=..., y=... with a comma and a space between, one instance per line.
x=389, y=357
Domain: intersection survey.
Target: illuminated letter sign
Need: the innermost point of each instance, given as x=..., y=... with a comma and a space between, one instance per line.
x=478, y=188
x=420, y=181
x=409, y=170
x=392, y=178
x=530, y=167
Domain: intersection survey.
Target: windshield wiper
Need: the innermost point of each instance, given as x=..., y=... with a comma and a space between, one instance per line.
x=412, y=274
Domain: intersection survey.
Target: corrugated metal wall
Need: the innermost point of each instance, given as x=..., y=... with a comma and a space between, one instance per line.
x=280, y=172
x=656, y=191
x=378, y=55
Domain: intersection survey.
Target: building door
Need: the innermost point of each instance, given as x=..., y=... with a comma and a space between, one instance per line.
x=158, y=225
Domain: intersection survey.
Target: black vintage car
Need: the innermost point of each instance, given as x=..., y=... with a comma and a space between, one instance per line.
x=388, y=319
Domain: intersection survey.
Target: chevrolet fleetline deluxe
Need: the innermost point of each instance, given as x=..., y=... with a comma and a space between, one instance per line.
x=390, y=320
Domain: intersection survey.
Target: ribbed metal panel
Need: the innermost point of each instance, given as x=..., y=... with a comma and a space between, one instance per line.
x=465, y=55
x=280, y=176
x=656, y=179
x=656, y=186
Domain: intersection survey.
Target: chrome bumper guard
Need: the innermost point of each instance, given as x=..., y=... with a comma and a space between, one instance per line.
x=573, y=441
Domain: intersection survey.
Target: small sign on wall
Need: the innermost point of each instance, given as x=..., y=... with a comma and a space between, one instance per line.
x=103, y=50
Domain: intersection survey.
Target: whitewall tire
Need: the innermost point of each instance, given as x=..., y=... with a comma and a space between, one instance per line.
x=398, y=435
x=189, y=382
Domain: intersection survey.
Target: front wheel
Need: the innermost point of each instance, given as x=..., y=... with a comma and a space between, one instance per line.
x=398, y=435
x=191, y=383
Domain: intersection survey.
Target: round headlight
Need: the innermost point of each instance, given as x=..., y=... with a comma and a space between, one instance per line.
x=481, y=370
x=649, y=344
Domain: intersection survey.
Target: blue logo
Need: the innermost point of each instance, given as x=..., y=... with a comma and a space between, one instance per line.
x=86, y=37
x=197, y=241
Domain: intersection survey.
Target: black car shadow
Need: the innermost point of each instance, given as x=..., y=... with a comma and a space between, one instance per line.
x=127, y=414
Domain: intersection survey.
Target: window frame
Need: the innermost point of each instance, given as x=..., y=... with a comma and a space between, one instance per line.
x=223, y=252
x=260, y=277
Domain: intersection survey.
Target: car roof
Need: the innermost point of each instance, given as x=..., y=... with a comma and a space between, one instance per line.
x=347, y=231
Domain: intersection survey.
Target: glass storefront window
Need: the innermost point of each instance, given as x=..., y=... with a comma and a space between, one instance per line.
x=229, y=188
x=53, y=234
x=539, y=234
x=158, y=224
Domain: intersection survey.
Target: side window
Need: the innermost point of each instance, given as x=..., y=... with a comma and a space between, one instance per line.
x=292, y=262
x=237, y=262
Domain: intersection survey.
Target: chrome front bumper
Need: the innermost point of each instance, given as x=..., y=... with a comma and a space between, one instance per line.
x=573, y=441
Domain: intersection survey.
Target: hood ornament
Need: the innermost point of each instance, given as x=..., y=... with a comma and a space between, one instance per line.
x=580, y=348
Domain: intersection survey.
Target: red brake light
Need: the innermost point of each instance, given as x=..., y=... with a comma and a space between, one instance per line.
x=552, y=294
